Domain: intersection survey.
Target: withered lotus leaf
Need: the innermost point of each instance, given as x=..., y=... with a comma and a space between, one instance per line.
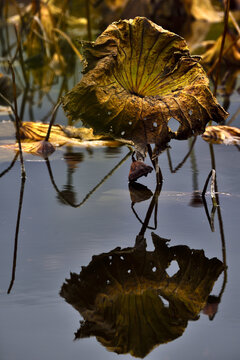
x=131, y=304
x=222, y=134
x=137, y=76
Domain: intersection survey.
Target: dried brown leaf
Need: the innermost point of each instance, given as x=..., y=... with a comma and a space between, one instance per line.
x=137, y=77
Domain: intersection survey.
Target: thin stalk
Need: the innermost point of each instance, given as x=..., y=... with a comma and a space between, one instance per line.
x=88, y=13
x=16, y=235
x=222, y=45
x=18, y=121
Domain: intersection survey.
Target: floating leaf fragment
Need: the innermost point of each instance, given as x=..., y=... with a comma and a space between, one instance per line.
x=222, y=134
x=59, y=133
x=40, y=148
x=137, y=77
x=131, y=304
x=33, y=135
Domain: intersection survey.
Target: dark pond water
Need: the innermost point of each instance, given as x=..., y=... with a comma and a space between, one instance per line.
x=56, y=239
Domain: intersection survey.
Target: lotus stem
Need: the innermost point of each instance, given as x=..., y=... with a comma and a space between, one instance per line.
x=88, y=13
x=222, y=45
x=52, y=120
x=17, y=120
x=16, y=235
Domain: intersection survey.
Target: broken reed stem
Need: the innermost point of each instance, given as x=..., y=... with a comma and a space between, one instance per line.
x=213, y=190
x=17, y=120
x=206, y=184
x=222, y=45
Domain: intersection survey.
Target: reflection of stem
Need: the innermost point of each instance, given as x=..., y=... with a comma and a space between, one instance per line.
x=16, y=235
x=153, y=204
x=139, y=219
x=218, y=207
x=90, y=192
x=10, y=166
x=184, y=159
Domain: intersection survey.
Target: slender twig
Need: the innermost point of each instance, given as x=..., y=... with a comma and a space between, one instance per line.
x=16, y=235
x=222, y=45
x=18, y=121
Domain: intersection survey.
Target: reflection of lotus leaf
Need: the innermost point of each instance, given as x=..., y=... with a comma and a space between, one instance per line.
x=121, y=295
x=137, y=77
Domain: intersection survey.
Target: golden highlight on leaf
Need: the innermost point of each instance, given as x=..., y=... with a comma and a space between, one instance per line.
x=137, y=77
x=131, y=304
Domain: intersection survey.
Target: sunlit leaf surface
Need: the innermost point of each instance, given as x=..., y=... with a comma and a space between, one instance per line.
x=137, y=77
x=130, y=302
